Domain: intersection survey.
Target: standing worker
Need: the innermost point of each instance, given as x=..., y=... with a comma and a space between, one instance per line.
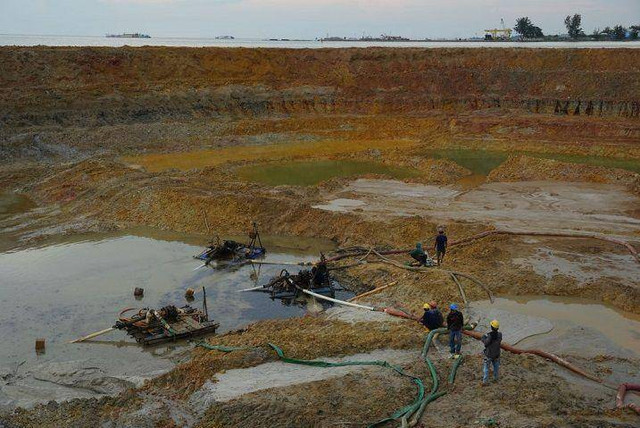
x=419, y=255
x=492, y=341
x=432, y=318
x=441, y=245
x=455, y=321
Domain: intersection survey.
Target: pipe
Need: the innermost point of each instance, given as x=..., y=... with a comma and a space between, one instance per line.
x=540, y=353
x=474, y=279
x=398, y=313
x=92, y=335
x=340, y=302
x=599, y=237
x=374, y=291
x=419, y=269
x=264, y=262
x=462, y=294
x=258, y=288
x=596, y=236
x=622, y=391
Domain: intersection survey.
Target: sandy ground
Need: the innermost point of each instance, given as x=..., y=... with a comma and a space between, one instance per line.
x=520, y=206
x=162, y=151
x=235, y=383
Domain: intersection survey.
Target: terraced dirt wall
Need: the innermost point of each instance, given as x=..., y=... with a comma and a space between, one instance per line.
x=103, y=86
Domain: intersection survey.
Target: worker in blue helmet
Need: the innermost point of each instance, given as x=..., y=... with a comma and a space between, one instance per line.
x=455, y=321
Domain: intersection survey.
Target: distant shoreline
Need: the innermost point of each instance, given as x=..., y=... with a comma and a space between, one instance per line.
x=102, y=41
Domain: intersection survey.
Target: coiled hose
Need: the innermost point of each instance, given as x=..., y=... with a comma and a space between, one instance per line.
x=399, y=414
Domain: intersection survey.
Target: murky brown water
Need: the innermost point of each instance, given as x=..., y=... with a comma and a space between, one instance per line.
x=67, y=288
x=570, y=315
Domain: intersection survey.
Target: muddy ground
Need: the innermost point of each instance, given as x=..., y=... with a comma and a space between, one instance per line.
x=107, y=139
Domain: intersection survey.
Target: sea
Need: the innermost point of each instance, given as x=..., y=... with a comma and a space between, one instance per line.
x=44, y=40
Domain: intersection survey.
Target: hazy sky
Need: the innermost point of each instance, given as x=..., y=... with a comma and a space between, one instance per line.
x=302, y=18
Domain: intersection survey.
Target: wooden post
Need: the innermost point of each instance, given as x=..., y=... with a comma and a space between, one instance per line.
x=204, y=303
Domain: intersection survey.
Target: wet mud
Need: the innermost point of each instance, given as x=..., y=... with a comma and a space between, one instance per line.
x=170, y=150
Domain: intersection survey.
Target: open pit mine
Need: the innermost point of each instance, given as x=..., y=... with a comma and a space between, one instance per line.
x=303, y=181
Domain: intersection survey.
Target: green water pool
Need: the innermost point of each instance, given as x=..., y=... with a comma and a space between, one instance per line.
x=313, y=172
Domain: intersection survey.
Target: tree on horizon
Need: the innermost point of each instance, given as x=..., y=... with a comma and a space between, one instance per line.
x=526, y=29
x=573, y=24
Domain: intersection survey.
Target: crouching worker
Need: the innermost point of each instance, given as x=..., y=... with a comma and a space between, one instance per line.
x=432, y=318
x=492, y=341
x=419, y=255
x=455, y=321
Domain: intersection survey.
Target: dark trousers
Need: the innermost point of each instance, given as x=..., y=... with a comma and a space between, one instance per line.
x=455, y=341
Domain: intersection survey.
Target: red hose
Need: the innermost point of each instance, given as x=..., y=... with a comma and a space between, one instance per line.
x=625, y=244
x=622, y=391
x=398, y=313
x=543, y=354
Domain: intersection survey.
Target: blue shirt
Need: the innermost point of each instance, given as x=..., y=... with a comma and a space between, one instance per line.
x=441, y=242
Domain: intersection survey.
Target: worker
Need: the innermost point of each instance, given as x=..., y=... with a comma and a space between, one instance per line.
x=455, y=321
x=492, y=341
x=419, y=255
x=441, y=245
x=432, y=318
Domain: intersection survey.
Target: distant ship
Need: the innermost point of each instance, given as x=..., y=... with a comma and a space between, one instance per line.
x=225, y=38
x=130, y=36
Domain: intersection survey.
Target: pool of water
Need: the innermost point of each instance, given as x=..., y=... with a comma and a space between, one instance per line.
x=579, y=325
x=479, y=162
x=314, y=172
x=68, y=288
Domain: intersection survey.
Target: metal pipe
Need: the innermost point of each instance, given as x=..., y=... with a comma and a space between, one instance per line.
x=340, y=302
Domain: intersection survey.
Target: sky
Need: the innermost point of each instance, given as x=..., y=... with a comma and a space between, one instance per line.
x=306, y=19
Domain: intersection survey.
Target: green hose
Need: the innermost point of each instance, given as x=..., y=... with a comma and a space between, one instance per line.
x=396, y=415
x=403, y=412
x=454, y=369
x=430, y=336
x=413, y=410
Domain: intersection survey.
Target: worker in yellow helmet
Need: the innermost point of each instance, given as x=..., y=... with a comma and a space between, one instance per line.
x=432, y=318
x=492, y=341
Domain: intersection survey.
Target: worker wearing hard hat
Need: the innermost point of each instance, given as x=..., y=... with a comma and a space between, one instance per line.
x=492, y=341
x=432, y=318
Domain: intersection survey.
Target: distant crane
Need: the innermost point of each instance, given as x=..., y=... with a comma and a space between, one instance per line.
x=504, y=32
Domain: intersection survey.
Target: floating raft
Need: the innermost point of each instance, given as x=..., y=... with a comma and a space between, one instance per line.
x=233, y=251
x=151, y=327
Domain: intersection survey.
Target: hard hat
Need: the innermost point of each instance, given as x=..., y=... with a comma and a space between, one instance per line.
x=453, y=306
x=495, y=324
x=433, y=304
x=426, y=306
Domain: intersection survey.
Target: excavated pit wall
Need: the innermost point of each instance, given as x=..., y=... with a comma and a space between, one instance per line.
x=82, y=86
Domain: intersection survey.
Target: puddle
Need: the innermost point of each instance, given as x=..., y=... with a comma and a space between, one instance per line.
x=71, y=287
x=314, y=172
x=479, y=162
x=580, y=326
x=155, y=162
